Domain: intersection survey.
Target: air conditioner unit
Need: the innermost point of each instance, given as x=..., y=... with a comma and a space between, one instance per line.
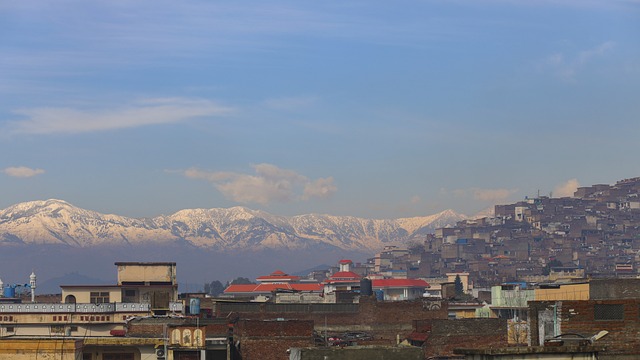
x=160, y=353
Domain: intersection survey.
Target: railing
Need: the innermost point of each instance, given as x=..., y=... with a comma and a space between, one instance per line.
x=176, y=306
x=75, y=308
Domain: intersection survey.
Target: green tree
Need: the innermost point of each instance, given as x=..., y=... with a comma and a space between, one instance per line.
x=459, y=288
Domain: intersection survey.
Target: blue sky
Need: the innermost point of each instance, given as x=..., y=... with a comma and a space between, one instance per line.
x=366, y=108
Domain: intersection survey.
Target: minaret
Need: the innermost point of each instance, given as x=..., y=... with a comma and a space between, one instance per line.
x=32, y=283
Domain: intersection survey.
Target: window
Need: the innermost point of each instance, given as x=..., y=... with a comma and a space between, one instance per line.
x=10, y=329
x=118, y=356
x=608, y=312
x=99, y=297
x=73, y=328
x=129, y=293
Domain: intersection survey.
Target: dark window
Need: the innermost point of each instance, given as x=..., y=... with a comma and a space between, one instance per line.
x=117, y=356
x=73, y=328
x=10, y=329
x=129, y=293
x=608, y=312
x=99, y=297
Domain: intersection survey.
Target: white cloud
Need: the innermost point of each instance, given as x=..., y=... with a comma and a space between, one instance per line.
x=320, y=188
x=567, y=66
x=22, y=171
x=566, y=189
x=141, y=113
x=269, y=184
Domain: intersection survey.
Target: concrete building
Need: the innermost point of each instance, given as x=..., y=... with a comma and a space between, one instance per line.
x=91, y=321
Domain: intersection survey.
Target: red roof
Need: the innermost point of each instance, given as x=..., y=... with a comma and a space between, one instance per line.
x=266, y=288
x=278, y=275
x=345, y=275
x=399, y=283
x=345, y=261
x=240, y=288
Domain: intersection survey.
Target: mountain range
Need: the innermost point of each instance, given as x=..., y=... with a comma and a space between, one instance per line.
x=56, y=222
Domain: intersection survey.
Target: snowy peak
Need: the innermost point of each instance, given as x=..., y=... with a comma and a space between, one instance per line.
x=237, y=228
x=432, y=222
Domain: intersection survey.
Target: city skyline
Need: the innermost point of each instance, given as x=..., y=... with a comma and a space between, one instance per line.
x=367, y=109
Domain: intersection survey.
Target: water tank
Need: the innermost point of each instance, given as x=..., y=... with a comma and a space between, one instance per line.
x=9, y=292
x=366, y=288
x=379, y=295
x=194, y=306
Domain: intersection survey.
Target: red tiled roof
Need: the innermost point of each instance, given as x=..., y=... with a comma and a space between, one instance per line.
x=307, y=287
x=388, y=283
x=346, y=261
x=240, y=288
x=345, y=275
x=278, y=275
x=266, y=288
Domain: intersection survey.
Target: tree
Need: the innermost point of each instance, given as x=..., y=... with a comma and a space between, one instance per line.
x=415, y=246
x=241, y=281
x=459, y=288
x=214, y=288
x=551, y=264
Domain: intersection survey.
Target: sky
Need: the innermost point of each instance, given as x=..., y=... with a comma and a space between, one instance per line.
x=373, y=109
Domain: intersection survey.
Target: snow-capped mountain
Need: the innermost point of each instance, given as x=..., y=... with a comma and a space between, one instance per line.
x=237, y=228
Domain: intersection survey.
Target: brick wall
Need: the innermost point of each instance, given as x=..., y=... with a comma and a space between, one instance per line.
x=578, y=317
x=269, y=340
x=446, y=335
x=383, y=320
x=154, y=327
x=624, y=335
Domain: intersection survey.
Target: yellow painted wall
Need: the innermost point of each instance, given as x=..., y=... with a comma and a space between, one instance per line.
x=83, y=294
x=465, y=313
x=41, y=349
x=564, y=292
x=146, y=272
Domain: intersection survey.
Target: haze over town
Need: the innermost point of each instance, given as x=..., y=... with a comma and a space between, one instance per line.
x=371, y=109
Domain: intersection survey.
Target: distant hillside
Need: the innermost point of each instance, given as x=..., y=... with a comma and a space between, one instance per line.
x=52, y=286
